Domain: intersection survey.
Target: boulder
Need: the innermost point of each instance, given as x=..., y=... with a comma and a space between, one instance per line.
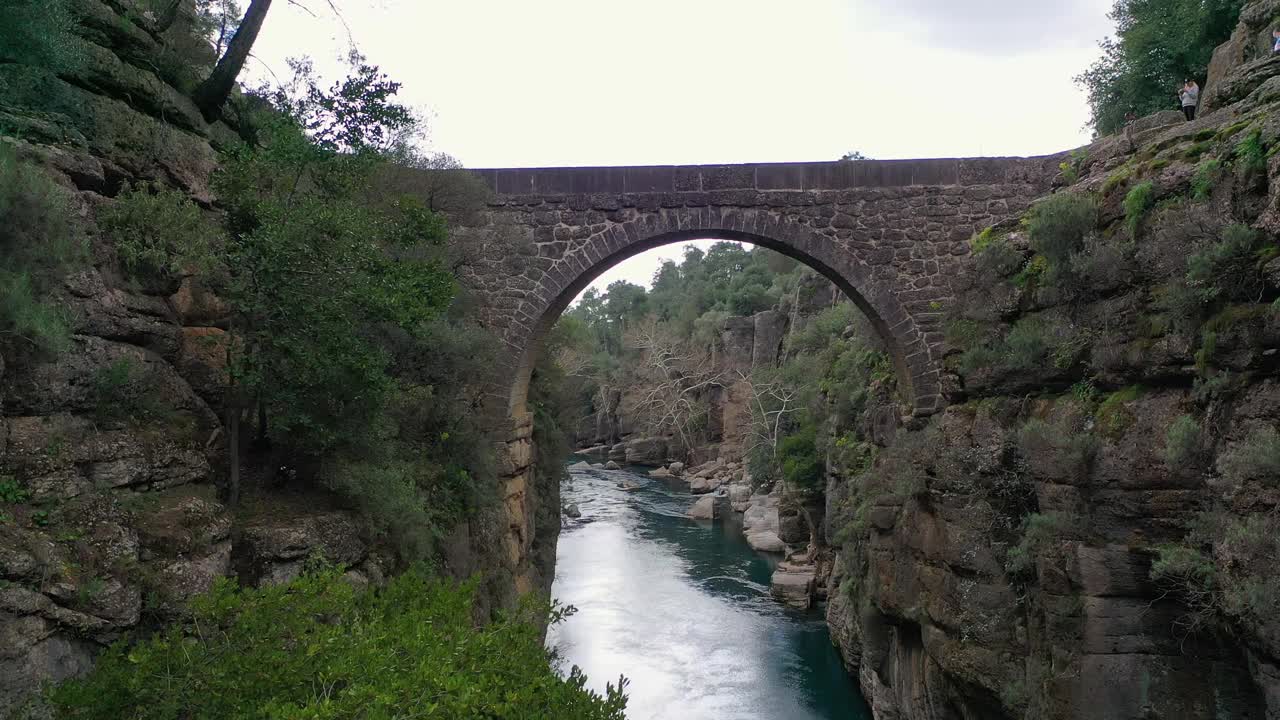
x=676, y=468
x=618, y=452
x=645, y=451
x=700, y=485
x=660, y=473
x=580, y=466
x=572, y=510
x=765, y=541
x=739, y=496
x=612, y=465
x=704, y=508
x=597, y=451
x=793, y=585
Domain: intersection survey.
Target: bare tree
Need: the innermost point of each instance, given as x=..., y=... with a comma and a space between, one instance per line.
x=772, y=402
x=675, y=377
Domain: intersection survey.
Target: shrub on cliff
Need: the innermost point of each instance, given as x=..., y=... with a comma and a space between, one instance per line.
x=160, y=234
x=319, y=649
x=1058, y=226
x=41, y=238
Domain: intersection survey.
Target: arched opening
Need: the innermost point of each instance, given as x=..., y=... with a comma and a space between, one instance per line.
x=916, y=373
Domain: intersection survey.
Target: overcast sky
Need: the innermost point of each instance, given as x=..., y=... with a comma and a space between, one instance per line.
x=520, y=83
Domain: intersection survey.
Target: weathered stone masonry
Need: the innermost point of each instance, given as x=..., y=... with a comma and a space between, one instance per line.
x=891, y=234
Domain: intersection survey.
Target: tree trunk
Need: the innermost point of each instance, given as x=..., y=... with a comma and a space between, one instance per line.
x=233, y=452
x=215, y=90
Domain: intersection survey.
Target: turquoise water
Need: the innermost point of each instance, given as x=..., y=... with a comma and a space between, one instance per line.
x=683, y=610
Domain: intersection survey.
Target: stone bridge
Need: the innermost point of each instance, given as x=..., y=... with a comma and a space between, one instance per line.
x=891, y=234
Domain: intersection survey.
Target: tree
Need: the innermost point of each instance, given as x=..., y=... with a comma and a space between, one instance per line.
x=319, y=260
x=675, y=378
x=1158, y=44
x=214, y=91
x=853, y=155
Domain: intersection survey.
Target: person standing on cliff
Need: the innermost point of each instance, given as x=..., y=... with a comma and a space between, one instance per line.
x=1190, y=96
x=1275, y=35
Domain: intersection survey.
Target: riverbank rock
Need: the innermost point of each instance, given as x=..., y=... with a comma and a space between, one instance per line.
x=596, y=451
x=645, y=451
x=573, y=511
x=580, y=466
x=766, y=541
x=704, y=508
x=793, y=584
x=702, y=485
x=612, y=465
x=676, y=468
x=739, y=496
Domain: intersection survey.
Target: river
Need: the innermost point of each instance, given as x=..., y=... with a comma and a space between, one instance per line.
x=683, y=610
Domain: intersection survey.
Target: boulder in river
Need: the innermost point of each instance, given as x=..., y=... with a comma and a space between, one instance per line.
x=700, y=485
x=646, y=451
x=611, y=465
x=571, y=510
x=765, y=541
x=704, y=508
x=660, y=473
x=580, y=466
x=676, y=468
x=793, y=585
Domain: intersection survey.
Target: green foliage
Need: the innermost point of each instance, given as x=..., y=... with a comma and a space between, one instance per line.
x=1027, y=344
x=1229, y=269
x=1136, y=204
x=122, y=393
x=11, y=492
x=1251, y=155
x=1158, y=44
x=1189, y=573
x=319, y=649
x=803, y=469
x=1058, y=226
x=1113, y=415
x=994, y=254
x=1041, y=533
x=1058, y=450
x=40, y=241
x=160, y=233
x=1183, y=442
x=1072, y=166
x=318, y=258
x=1257, y=457
x=1206, y=177
x=39, y=33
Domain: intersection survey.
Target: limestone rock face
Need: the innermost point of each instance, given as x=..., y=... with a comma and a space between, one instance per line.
x=794, y=584
x=273, y=551
x=704, y=508
x=645, y=451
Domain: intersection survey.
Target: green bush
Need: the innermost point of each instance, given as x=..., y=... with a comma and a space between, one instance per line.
x=1251, y=155
x=1113, y=415
x=1183, y=442
x=1136, y=204
x=803, y=469
x=1057, y=450
x=1027, y=344
x=318, y=649
x=1058, y=226
x=122, y=392
x=40, y=241
x=1192, y=577
x=1257, y=457
x=1230, y=269
x=994, y=254
x=160, y=233
x=1206, y=177
x=39, y=33
x=1041, y=532
x=11, y=491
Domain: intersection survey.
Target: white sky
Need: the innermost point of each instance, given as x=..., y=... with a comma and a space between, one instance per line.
x=515, y=83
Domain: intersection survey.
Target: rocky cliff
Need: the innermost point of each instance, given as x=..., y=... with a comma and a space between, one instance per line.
x=1088, y=530
x=112, y=453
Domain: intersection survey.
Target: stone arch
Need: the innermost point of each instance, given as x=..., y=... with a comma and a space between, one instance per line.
x=916, y=361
